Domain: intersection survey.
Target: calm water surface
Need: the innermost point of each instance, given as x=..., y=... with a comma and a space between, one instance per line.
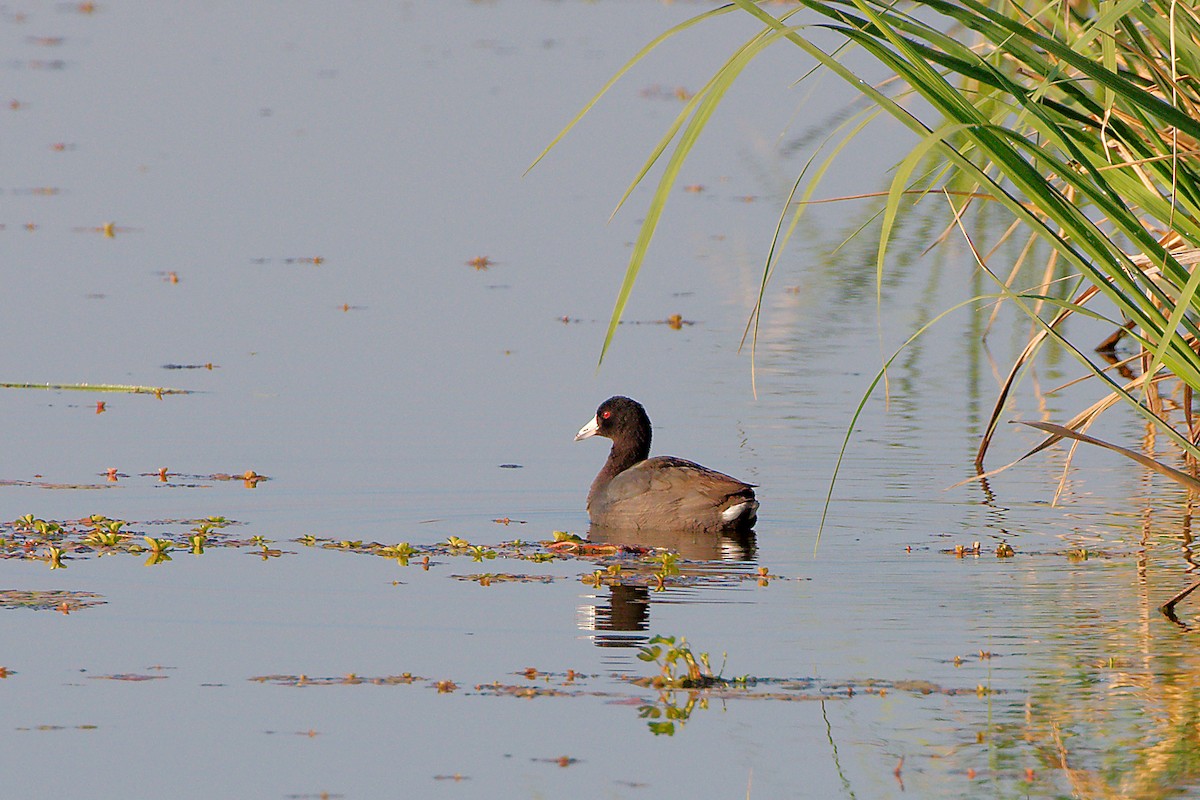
x=387, y=390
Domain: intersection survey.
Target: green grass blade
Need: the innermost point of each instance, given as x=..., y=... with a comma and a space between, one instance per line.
x=645, y=51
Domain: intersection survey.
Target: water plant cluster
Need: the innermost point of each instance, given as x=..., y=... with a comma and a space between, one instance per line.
x=58, y=542
x=61, y=600
x=683, y=685
x=55, y=542
x=614, y=564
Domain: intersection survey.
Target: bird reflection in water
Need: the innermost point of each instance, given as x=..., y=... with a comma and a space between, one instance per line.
x=620, y=618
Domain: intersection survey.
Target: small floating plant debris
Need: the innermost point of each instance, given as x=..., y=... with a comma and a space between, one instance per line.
x=1005, y=550
x=48, y=485
x=657, y=92
x=480, y=263
x=108, y=229
x=314, y=260
x=209, y=366
x=674, y=321
x=41, y=191
x=59, y=600
x=131, y=677
x=959, y=660
x=84, y=727
x=157, y=391
x=488, y=578
x=180, y=480
x=349, y=679
x=166, y=480
x=512, y=466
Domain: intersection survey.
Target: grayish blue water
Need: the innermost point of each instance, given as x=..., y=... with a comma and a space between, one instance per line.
x=381, y=390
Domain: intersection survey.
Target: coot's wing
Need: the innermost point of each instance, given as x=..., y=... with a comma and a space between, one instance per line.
x=668, y=492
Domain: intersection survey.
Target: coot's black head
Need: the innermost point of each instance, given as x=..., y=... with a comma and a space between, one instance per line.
x=621, y=419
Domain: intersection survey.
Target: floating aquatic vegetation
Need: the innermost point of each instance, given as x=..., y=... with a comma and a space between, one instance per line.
x=169, y=480
x=31, y=538
x=1005, y=550
x=131, y=677
x=314, y=260
x=108, y=229
x=657, y=92
x=350, y=679
x=685, y=683
x=59, y=600
x=51, y=485
x=157, y=391
x=58, y=543
x=610, y=564
x=488, y=578
x=674, y=321
x=61, y=728
x=43, y=191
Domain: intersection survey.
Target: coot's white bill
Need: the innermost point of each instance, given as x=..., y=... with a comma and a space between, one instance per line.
x=591, y=429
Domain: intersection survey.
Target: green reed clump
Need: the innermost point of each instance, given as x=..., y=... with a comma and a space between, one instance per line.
x=1079, y=121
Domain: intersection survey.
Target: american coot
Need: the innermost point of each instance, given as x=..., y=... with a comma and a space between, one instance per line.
x=636, y=491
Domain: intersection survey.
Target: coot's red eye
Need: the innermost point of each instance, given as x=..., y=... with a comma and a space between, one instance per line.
x=605, y=414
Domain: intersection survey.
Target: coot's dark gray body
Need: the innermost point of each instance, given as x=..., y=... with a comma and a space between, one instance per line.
x=634, y=491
